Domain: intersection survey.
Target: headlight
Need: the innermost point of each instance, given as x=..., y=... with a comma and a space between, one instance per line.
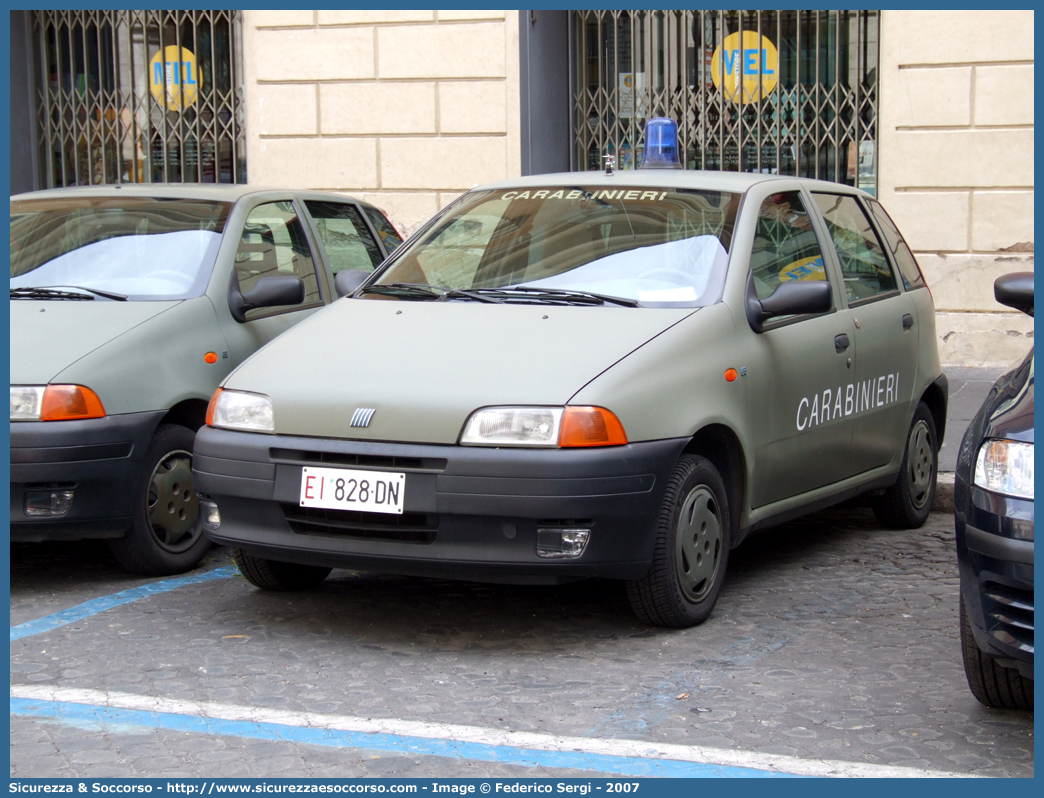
x=1005, y=467
x=54, y=403
x=241, y=410
x=564, y=427
x=26, y=401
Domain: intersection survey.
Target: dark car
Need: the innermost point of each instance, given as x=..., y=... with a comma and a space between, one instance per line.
x=993, y=502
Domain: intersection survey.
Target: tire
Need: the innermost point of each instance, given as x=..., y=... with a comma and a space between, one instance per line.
x=992, y=685
x=167, y=534
x=908, y=502
x=692, y=549
x=279, y=576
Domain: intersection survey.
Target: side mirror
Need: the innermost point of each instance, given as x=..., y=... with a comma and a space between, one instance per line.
x=347, y=280
x=1015, y=290
x=268, y=292
x=796, y=297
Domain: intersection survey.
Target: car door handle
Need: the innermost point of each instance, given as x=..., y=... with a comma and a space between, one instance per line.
x=907, y=321
x=841, y=342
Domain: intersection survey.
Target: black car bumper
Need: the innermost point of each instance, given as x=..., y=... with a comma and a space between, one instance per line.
x=99, y=460
x=995, y=557
x=470, y=513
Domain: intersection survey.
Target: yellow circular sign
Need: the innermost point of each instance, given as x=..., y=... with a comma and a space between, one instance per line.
x=804, y=269
x=752, y=65
x=173, y=77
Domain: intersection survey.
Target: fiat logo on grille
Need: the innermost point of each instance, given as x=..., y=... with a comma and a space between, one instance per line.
x=362, y=415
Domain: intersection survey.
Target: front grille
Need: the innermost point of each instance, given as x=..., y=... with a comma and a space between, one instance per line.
x=405, y=528
x=1009, y=615
x=373, y=461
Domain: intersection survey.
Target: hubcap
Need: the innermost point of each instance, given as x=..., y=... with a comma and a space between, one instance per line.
x=920, y=461
x=172, y=506
x=698, y=550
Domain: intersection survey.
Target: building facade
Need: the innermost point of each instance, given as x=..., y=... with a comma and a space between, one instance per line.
x=931, y=111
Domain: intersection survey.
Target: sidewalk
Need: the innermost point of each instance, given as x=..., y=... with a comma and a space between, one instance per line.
x=968, y=389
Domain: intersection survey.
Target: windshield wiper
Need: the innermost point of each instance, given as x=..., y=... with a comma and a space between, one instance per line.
x=550, y=296
x=404, y=290
x=46, y=292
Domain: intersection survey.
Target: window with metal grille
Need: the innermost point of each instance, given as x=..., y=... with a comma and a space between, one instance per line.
x=779, y=92
x=139, y=97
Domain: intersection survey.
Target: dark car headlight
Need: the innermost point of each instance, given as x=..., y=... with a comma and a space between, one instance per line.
x=1005, y=467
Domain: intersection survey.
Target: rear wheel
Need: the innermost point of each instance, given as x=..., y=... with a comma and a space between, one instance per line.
x=167, y=534
x=908, y=502
x=692, y=549
x=992, y=685
x=279, y=576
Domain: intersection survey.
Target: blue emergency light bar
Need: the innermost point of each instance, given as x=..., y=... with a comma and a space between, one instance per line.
x=661, y=144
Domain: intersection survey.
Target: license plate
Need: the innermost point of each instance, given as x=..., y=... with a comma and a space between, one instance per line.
x=344, y=489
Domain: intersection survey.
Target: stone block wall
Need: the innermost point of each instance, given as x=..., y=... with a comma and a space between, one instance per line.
x=405, y=109
x=956, y=166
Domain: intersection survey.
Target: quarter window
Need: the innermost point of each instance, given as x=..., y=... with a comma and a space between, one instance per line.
x=864, y=264
x=347, y=240
x=785, y=246
x=385, y=230
x=901, y=253
x=274, y=243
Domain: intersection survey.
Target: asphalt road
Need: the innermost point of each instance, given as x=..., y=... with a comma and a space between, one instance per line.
x=833, y=640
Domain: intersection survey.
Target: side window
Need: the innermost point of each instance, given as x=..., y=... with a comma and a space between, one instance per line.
x=387, y=232
x=864, y=264
x=785, y=246
x=274, y=243
x=348, y=242
x=901, y=254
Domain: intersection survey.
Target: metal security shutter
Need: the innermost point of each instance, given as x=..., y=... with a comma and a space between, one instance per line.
x=113, y=107
x=812, y=112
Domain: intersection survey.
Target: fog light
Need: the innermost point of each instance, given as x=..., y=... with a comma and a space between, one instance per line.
x=48, y=503
x=556, y=544
x=211, y=514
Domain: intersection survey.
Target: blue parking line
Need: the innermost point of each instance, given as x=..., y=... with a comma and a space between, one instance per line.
x=116, y=720
x=94, y=606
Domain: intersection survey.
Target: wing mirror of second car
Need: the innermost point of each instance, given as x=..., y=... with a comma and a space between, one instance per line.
x=794, y=298
x=1015, y=290
x=268, y=292
x=347, y=280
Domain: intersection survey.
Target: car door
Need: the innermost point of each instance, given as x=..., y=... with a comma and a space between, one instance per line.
x=884, y=319
x=799, y=365
x=273, y=240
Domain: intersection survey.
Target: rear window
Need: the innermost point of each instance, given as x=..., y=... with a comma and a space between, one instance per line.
x=901, y=254
x=143, y=247
x=661, y=247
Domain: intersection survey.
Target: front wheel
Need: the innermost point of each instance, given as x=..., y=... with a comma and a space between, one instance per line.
x=692, y=549
x=278, y=576
x=992, y=685
x=167, y=534
x=907, y=503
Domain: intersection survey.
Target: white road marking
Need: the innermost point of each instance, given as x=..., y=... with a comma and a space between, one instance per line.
x=475, y=734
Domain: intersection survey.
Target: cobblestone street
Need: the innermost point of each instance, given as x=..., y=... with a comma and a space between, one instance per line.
x=833, y=640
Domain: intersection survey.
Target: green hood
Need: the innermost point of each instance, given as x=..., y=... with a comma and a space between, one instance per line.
x=425, y=366
x=49, y=336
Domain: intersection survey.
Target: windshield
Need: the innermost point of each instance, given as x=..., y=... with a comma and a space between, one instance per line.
x=140, y=247
x=658, y=247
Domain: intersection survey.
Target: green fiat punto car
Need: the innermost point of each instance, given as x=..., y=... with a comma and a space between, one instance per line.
x=587, y=375
x=129, y=305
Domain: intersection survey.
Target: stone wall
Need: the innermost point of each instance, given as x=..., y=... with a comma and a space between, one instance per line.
x=956, y=166
x=405, y=109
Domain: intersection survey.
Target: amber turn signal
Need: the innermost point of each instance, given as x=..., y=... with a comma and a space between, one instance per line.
x=70, y=402
x=731, y=375
x=210, y=357
x=590, y=426
x=209, y=421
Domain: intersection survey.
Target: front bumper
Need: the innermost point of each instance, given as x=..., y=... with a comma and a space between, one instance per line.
x=98, y=459
x=995, y=559
x=469, y=512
